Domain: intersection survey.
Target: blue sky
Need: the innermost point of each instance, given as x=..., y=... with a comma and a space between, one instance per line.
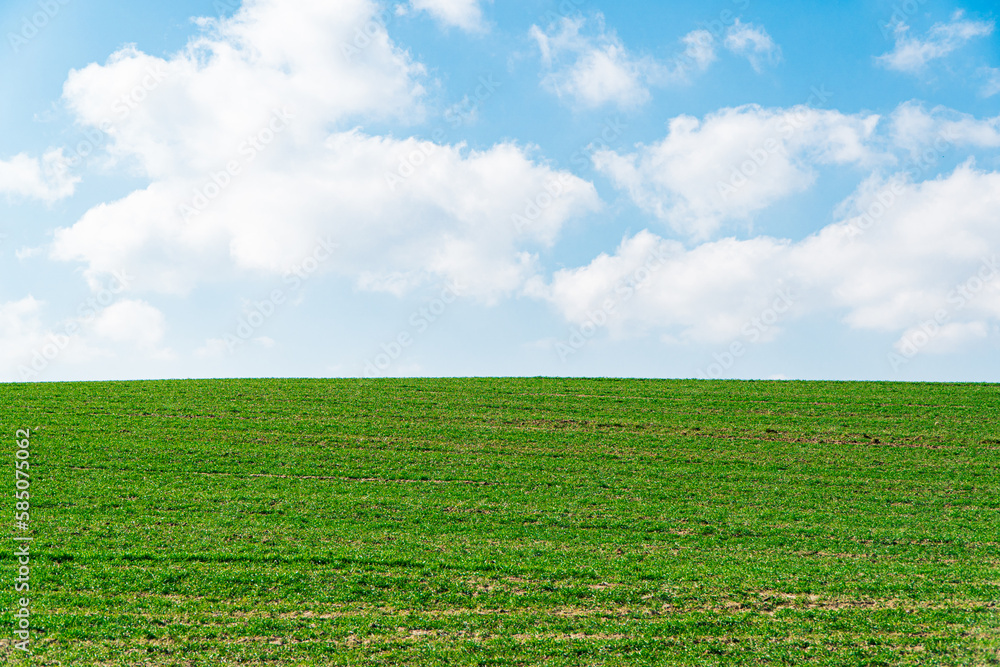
x=461, y=187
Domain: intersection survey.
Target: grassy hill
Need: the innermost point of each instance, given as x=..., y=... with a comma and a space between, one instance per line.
x=506, y=521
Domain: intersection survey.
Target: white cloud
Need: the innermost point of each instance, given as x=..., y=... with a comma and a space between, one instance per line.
x=917, y=245
x=28, y=347
x=464, y=14
x=913, y=128
x=47, y=179
x=588, y=65
x=912, y=54
x=931, y=247
x=591, y=71
x=699, y=50
x=991, y=81
x=941, y=339
x=452, y=219
x=27, y=253
x=131, y=321
x=743, y=39
x=736, y=162
x=652, y=283
x=698, y=54
x=31, y=349
x=404, y=212
x=197, y=108
x=753, y=43
x=21, y=332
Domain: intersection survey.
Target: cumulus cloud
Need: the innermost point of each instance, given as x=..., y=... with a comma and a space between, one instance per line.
x=47, y=179
x=655, y=284
x=914, y=128
x=736, y=162
x=133, y=322
x=699, y=52
x=587, y=64
x=753, y=43
x=899, y=260
x=31, y=348
x=464, y=14
x=592, y=70
x=454, y=216
x=255, y=142
x=928, y=248
x=251, y=143
x=912, y=54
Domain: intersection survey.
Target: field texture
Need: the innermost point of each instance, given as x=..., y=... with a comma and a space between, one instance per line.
x=506, y=522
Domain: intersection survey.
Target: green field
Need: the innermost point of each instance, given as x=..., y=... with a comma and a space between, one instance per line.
x=507, y=522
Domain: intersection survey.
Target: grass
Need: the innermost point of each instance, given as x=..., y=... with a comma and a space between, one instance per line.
x=508, y=522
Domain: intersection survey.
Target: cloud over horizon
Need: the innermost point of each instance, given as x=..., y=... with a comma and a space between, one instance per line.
x=480, y=180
